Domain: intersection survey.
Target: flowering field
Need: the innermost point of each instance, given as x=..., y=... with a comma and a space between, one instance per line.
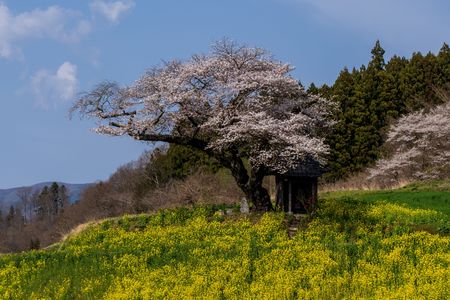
x=353, y=248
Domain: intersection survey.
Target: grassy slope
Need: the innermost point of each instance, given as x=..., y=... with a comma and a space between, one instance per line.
x=360, y=245
x=429, y=195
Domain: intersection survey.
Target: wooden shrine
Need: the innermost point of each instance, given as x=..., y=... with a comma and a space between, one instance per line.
x=296, y=190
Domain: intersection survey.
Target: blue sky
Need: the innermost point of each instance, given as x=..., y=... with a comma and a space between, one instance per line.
x=52, y=50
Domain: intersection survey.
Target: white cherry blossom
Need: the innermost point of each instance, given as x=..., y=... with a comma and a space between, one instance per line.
x=235, y=103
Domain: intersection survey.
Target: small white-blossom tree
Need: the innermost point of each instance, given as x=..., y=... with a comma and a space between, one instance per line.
x=235, y=103
x=419, y=146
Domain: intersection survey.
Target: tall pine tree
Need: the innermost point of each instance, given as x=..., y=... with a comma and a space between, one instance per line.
x=364, y=108
x=371, y=97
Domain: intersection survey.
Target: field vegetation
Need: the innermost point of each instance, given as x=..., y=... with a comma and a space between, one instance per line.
x=168, y=226
x=373, y=245
x=390, y=128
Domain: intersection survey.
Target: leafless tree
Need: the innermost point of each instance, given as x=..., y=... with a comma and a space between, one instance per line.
x=25, y=195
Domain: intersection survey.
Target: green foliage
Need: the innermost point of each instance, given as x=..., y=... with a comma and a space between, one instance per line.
x=177, y=162
x=356, y=247
x=185, y=160
x=371, y=97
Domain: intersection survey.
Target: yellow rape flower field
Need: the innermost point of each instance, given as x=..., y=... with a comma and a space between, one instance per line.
x=351, y=249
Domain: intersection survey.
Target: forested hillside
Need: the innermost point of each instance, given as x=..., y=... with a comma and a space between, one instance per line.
x=165, y=177
x=371, y=100
x=372, y=96
x=275, y=149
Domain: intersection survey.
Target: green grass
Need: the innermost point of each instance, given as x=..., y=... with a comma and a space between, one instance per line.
x=427, y=195
x=360, y=245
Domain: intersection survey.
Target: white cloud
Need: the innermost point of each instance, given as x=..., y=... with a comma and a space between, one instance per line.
x=54, y=22
x=112, y=10
x=51, y=89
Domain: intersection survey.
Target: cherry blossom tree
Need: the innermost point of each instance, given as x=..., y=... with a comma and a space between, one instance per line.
x=419, y=146
x=235, y=103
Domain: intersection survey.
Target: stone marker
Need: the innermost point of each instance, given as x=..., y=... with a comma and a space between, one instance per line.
x=244, y=206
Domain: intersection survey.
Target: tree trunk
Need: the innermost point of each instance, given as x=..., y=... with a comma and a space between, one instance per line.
x=260, y=198
x=250, y=185
x=257, y=194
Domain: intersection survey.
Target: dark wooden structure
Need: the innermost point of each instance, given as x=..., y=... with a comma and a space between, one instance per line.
x=297, y=188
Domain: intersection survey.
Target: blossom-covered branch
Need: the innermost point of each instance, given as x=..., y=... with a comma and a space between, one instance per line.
x=236, y=102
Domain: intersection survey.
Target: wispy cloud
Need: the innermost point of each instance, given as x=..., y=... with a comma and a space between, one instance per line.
x=51, y=89
x=112, y=11
x=403, y=22
x=54, y=22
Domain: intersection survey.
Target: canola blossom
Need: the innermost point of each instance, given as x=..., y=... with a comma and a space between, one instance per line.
x=351, y=249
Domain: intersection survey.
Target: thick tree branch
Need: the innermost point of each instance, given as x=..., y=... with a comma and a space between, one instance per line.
x=237, y=102
x=116, y=115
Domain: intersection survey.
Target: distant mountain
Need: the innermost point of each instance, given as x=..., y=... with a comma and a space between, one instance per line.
x=9, y=196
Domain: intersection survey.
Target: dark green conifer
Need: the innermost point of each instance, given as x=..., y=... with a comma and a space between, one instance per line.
x=371, y=97
x=312, y=89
